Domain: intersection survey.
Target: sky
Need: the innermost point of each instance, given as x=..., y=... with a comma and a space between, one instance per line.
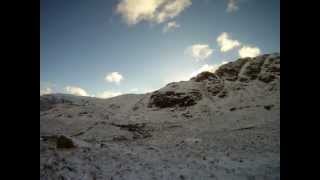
x=105, y=48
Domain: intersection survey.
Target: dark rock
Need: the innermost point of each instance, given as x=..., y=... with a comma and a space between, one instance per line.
x=182, y=177
x=273, y=66
x=274, y=69
x=233, y=109
x=231, y=70
x=83, y=113
x=119, y=138
x=64, y=142
x=215, y=89
x=172, y=99
x=187, y=115
x=205, y=76
x=253, y=69
x=268, y=107
x=267, y=78
x=135, y=108
x=230, y=74
x=243, y=79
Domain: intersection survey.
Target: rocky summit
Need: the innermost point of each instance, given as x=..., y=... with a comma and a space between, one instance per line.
x=222, y=125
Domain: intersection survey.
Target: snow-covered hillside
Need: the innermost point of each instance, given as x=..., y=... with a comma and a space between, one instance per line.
x=222, y=125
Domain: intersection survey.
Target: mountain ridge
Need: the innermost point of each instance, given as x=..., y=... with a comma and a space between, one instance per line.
x=221, y=125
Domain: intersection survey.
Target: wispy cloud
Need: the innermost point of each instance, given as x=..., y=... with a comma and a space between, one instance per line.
x=232, y=5
x=45, y=91
x=108, y=94
x=76, y=91
x=176, y=77
x=47, y=88
x=226, y=43
x=157, y=11
x=115, y=77
x=170, y=26
x=199, y=51
x=247, y=51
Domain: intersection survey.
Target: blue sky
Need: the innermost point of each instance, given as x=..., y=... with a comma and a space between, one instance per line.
x=105, y=48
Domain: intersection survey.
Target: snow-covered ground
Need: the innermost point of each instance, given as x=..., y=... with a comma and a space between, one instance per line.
x=224, y=125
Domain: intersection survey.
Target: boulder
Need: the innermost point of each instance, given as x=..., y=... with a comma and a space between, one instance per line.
x=64, y=142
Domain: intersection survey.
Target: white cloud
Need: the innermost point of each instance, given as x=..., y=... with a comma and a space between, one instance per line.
x=76, y=91
x=47, y=87
x=187, y=76
x=171, y=9
x=206, y=67
x=45, y=91
x=226, y=43
x=232, y=5
x=108, y=94
x=114, y=77
x=199, y=51
x=135, y=11
x=170, y=26
x=247, y=51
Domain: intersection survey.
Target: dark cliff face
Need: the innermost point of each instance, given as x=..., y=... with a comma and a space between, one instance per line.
x=205, y=76
x=231, y=70
x=172, y=99
x=265, y=68
x=247, y=69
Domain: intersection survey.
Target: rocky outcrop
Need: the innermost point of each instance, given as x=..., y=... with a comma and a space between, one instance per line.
x=231, y=70
x=253, y=68
x=174, y=99
x=264, y=68
x=60, y=141
x=206, y=76
x=64, y=142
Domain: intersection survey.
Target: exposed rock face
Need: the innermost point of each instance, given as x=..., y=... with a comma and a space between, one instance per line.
x=64, y=142
x=253, y=68
x=206, y=76
x=267, y=77
x=59, y=141
x=231, y=70
x=265, y=68
x=221, y=125
x=173, y=99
